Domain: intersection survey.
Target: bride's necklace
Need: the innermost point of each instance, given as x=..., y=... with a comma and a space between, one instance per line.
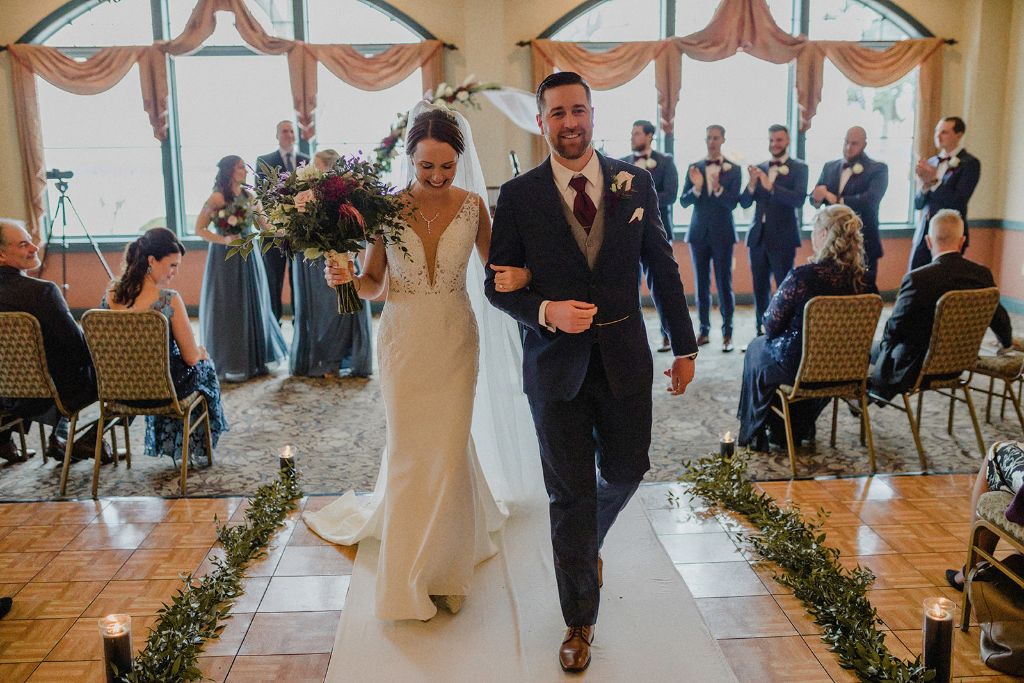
x=426, y=220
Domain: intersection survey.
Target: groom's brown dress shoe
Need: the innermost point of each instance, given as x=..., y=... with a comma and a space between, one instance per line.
x=575, y=652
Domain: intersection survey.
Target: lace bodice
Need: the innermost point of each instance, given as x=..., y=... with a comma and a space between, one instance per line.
x=408, y=274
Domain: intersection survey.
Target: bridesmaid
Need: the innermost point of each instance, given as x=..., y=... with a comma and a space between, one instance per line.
x=236, y=323
x=325, y=342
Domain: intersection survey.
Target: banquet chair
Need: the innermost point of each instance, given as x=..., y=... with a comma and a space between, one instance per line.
x=24, y=374
x=837, y=336
x=961, y=318
x=991, y=514
x=131, y=353
x=1009, y=368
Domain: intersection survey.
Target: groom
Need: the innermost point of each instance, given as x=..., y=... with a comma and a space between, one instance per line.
x=585, y=225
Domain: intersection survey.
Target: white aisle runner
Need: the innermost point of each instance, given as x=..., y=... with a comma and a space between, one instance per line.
x=510, y=628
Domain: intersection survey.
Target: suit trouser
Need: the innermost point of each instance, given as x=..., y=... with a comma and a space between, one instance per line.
x=766, y=264
x=584, y=499
x=276, y=262
x=703, y=255
x=666, y=220
x=871, y=274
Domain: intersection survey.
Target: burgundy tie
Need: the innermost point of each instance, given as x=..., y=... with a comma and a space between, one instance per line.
x=583, y=207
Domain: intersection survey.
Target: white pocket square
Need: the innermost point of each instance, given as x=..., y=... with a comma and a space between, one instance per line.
x=638, y=215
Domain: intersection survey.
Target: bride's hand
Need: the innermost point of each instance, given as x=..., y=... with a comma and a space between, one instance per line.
x=339, y=275
x=510, y=278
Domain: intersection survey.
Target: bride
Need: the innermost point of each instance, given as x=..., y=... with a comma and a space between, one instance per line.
x=432, y=507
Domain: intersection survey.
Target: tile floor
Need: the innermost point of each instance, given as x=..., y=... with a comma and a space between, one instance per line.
x=68, y=562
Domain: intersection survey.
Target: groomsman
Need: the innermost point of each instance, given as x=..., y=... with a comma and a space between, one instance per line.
x=859, y=182
x=945, y=181
x=666, y=181
x=779, y=188
x=285, y=158
x=712, y=188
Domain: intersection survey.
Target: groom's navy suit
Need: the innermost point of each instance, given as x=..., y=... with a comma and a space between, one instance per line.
x=590, y=393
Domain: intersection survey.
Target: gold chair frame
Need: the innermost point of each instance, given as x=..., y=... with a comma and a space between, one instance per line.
x=975, y=553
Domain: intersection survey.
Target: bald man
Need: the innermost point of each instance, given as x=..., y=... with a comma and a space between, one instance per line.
x=859, y=182
x=897, y=359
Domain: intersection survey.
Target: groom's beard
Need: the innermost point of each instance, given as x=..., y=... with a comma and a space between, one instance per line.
x=572, y=148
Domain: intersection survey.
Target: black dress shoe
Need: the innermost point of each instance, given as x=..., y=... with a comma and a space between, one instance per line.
x=10, y=453
x=5, y=606
x=951, y=579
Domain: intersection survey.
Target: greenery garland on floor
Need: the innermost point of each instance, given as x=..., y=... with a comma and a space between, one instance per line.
x=834, y=596
x=198, y=610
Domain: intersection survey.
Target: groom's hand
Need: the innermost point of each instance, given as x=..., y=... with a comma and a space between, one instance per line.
x=680, y=374
x=571, y=316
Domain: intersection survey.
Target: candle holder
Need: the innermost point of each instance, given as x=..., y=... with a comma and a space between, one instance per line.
x=937, y=634
x=116, y=630
x=287, y=458
x=727, y=445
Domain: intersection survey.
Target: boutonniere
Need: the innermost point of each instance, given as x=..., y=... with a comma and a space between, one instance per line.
x=954, y=162
x=650, y=163
x=858, y=168
x=726, y=167
x=784, y=170
x=622, y=185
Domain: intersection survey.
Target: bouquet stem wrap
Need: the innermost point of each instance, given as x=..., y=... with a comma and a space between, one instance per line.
x=348, y=298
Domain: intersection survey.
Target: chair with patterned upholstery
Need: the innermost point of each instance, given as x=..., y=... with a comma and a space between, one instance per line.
x=1008, y=367
x=992, y=521
x=837, y=336
x=130, y=350
x=25, y=375
x=961, y=318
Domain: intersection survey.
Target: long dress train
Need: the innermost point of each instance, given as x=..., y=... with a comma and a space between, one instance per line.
x=432, y=509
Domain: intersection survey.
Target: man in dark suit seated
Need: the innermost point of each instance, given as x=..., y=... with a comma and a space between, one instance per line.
x=712, y=188
x=67, y=356
x=666, y=182
x=859, y=182
x=898, y=358
x=945, y=181
x=285, y=158
x=779, y=187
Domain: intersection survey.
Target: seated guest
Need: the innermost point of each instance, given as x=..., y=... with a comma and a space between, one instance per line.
x=898, y=358
x=1002, y=470
x=323, y=342
x=150, y=263
x=67, y=356
x=836, y=269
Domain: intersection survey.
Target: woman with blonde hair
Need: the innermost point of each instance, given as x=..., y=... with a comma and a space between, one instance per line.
x=836, y=269
x=325, y=343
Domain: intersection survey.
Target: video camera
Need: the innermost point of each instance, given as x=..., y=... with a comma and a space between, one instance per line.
x=57, y=174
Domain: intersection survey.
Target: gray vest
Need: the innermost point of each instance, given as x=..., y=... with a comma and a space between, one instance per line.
x=590, y=245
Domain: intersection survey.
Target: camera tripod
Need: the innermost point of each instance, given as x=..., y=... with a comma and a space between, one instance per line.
x=62, y=210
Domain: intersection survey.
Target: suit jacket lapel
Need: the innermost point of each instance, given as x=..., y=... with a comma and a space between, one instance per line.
x=549, y=205
x=615, y=208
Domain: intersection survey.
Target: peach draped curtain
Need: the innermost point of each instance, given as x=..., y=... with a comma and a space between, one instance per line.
x=107, y=67
x=748, y=26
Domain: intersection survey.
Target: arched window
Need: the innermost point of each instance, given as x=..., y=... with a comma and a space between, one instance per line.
x=224, y=99
x=746, y=94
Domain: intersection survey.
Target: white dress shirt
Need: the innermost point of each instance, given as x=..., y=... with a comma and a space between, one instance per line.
x=940, y=170
x=844, y=177
x=287, y=159
x=773, y=171
x=711, y=175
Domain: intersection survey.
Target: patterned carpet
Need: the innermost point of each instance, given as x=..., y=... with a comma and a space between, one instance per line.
x=337, y=426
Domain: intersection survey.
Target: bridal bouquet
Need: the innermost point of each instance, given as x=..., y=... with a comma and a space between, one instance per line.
x=327, y=213
x=234, y=217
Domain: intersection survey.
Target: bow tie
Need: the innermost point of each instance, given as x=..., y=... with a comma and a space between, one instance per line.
x=774, y=162
x=638, y=157
x=713, y=162
x=944, y=159
x=849, y=164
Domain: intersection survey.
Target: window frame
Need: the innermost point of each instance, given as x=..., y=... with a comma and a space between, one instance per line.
x=170, y=148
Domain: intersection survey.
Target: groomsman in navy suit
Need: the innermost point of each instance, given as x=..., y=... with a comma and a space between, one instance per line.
x=859, y=182
x=666, y=181
x=712, y=188
x=286, y=158
x=779, y=188
x=945, y=181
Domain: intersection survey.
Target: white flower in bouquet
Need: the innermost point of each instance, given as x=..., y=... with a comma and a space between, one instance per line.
x=462, y=95
x=448, y=91
x=308, y=172
x=232, y=220
x=470, y=80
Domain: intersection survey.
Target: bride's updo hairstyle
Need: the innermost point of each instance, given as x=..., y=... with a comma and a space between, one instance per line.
x=156, y=242
x=435, y=124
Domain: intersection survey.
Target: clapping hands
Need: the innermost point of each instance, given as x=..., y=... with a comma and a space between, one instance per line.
x=696, y=177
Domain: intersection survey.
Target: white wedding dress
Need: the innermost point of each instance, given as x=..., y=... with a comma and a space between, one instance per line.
x=432, y=508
